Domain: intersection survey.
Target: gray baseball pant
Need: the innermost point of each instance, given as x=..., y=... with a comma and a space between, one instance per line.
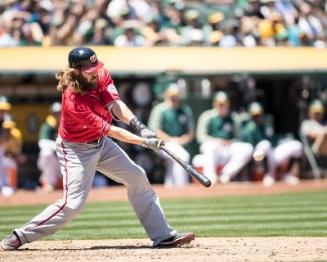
x=78, y=162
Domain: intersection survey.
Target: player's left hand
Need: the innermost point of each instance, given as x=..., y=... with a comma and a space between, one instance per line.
x=152, y=143
x=146, y=132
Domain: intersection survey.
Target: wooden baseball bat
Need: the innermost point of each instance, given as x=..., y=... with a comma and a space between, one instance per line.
x=189, y=169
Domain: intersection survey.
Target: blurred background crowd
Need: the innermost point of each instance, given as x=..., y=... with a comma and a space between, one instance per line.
x=132, y=23
x=239, y=125
x=232, y=144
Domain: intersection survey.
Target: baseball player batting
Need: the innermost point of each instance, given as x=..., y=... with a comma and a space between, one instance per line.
x=89, y=103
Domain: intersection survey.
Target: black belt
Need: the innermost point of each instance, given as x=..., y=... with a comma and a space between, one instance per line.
x=95, y=142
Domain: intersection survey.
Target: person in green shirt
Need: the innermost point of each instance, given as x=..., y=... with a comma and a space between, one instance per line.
x=217, y=134
x=47, y=162
x=259, y=131
x=173, y=123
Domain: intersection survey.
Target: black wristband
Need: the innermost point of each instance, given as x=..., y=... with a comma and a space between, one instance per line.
x=136, y=124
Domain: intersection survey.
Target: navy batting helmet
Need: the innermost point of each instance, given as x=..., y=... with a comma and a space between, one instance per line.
x=84, y=59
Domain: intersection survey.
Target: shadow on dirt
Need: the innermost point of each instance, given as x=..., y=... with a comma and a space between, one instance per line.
x=98, y=248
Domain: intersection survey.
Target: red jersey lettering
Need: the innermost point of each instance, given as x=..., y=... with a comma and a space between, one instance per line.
x=85, y=117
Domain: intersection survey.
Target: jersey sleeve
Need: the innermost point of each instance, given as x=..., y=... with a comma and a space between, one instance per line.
x=108, y=91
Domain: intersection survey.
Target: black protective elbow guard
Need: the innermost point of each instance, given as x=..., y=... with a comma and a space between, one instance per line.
x=142, y=129
x=137, y=125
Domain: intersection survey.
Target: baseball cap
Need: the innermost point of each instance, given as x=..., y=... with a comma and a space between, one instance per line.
x=4, y=104
x=84, y=59
x=316, y=106
x=8, y=122
x=255, y=109
x=191, y=14
x=100, y=23
x=172, y=90
x=55, y=107
x=216, y=18
x=221, y=97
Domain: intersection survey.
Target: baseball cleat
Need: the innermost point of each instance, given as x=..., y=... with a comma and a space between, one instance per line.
x=177, y=240
x=291, y=180
x=268, y=181
x=224, y=179
x=11, y=242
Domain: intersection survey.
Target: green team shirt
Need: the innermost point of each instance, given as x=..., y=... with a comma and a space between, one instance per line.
x=48, y=132
x=172, y=121
x=210, y=124
x=221, y=127
x=253, y=133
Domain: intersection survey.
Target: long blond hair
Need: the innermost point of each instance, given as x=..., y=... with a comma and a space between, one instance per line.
x=67, y=78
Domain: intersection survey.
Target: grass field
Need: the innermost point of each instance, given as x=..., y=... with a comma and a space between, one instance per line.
x=295, y=214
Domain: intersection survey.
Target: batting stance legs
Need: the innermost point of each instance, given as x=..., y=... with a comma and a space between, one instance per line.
x=79, y=162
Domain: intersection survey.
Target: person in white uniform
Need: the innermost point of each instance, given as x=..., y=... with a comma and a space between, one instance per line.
x=48, y=162
x=260, y=132
x=216, y=132
x=173, y=123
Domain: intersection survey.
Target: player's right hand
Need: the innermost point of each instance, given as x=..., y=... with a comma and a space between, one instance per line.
x=152, y=143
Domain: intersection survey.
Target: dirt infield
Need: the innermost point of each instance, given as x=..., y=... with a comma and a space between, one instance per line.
x=202, y=249
x=118, y=193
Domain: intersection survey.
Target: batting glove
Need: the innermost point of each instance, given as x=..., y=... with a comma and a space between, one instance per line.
x=152, y=143
x=142, y=129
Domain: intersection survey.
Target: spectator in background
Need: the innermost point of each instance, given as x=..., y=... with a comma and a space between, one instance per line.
x=5, y=107
x=12, y=145
x=192, y=32
x=179, y=22
x=100, y=35
x=293, y=32
x=153, y=34
x=6, y=39
x=315, y=129
x=309, y=23
x=268, y=28
x=259, y=132
x=121, y=10
x=228, y=38
x=129, y=38
x=173, y=123
x=248, y=31
x=214, y=29
x=47, y=162
x=216, y=132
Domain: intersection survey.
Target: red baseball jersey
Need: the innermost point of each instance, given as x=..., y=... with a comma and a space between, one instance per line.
x=85, y=117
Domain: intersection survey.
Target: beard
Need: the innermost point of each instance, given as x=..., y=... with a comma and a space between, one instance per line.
x=86, y=85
